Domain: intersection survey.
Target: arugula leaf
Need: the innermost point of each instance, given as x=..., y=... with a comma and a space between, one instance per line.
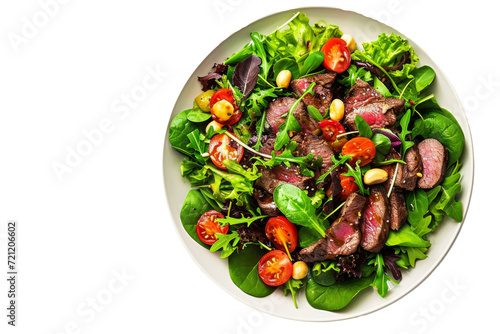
x=228, y=243
x=257, y=40
x=243, y=220
x=358, y=178
x=381, y=278
x=293, y=285
x=405, y=122
x=314, y=112
x=406, y=237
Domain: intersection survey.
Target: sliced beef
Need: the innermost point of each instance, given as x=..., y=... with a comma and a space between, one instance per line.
x=266, y=202
x=343, y=236
x=277, y=112
x=318, y=146
x=378, y=111
x=398, y=210
x=407, y=175
x=409, y=172
x=323, y=94
x=306, y=122
x=397, y=203
x=375, y=222
x=435, y=159
x=271, y=178
x=267, y=146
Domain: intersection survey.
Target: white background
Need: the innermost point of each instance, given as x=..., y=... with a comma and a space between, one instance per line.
x=108, y=216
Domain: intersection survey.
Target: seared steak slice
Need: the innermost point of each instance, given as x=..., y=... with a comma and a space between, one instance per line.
x=318, y=146
x=399, y=212
x=306, y=122
x=435, y=159
x=409, y=172
x=343, y=236
x=268, y=145
x=375, y=222
x=323, y=94
x=276, y=112
x=266, y=202
x=271, y=178
x=407, y=176
x=377, y=111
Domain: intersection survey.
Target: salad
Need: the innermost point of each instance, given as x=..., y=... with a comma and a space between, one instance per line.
x=317, y=164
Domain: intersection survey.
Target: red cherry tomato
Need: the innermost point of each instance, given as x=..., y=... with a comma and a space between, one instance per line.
x=207, y=227
x=275, y=268
x=222, y=147
x=225, y=94
x=348, y=185
x=337, y=55
x=331, y=129
x=359, y=149
x=280, y=231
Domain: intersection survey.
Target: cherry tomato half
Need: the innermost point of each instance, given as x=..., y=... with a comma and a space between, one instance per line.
x=337, y=55
x=331, y=129
x=222, y=147
x=226, y=112
x=207, y=227
x=275, y=268
x=280, y=231
x=359, y=149
x=348, y=185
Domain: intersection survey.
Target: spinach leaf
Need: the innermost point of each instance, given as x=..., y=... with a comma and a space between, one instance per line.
x=424, y=76
x=382, y=144
x=435, y=125
x=178, y=133
x=363, y=127
x=286, y=64
x=307, y=236
x=323, y=272
x=194, y=206
x=311, y=63
x=198, y=115
x=243, y=270
x=297, y=207
x=336, y=296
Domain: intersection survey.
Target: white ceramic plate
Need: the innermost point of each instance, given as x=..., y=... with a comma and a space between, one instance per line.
x=363, y=29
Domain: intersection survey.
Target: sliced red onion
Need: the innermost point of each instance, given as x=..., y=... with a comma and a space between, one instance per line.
x=395, y=140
